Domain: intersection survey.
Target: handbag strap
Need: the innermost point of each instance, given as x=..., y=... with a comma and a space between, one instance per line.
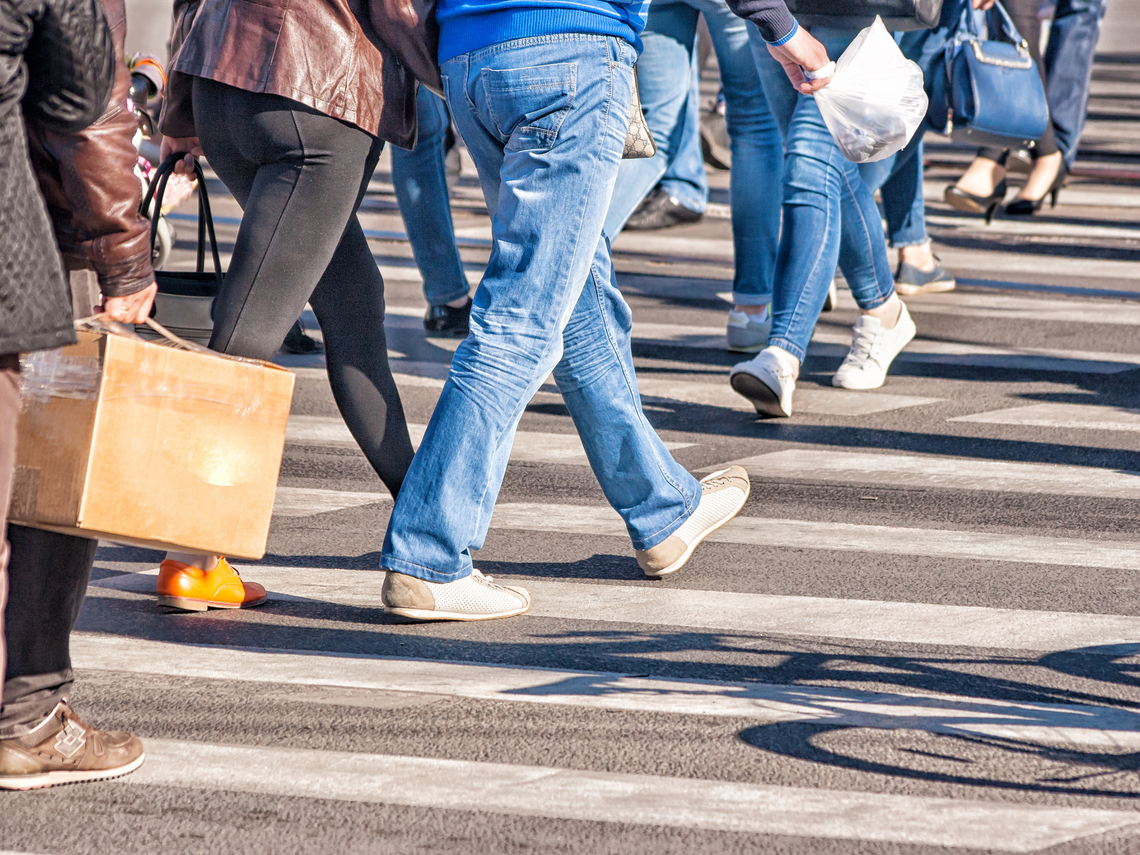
x=969, y=26
x=157, y=190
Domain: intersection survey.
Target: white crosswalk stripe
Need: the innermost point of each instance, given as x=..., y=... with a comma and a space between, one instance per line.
x=814, y=617
x=1081, y=416
x=908, y=470
x=608, y=797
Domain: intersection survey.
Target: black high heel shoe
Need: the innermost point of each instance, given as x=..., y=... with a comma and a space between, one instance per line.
x=1028, y=207
x=957, y=198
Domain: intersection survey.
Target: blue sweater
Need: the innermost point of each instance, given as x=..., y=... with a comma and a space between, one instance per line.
x=467, y=25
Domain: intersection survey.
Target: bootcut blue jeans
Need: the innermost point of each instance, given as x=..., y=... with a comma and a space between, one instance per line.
x=545, y=120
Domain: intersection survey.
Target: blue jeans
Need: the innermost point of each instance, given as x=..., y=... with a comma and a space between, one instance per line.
x=664, y=80
x=830, y=216
x=545, y=120
x=1068, y=68
x=898, y=178
x=685, y=179
x=421, y=191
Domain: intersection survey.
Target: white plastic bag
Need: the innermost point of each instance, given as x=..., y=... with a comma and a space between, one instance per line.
x=875, y=101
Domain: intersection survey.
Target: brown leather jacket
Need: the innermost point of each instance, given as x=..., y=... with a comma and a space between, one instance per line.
x=88, y=181
x=354, y=60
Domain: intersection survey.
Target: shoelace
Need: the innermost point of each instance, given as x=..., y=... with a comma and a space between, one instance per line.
x=862, y=346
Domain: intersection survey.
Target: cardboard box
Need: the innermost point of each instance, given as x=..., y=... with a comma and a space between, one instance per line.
x=129, y=441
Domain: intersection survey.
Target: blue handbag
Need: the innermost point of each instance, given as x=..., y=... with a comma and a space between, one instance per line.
x=988, y=90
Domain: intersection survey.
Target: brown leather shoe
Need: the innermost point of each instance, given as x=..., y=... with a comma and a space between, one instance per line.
x=181, y=586
x=64, y=750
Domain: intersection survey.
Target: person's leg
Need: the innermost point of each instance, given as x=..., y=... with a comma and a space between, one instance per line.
x=9, y=411
x=1068, y=68
x=47, y=580
x=300, y=176
x=685, y=179
x=664, y=83
x=541, y=259
x=420, y=180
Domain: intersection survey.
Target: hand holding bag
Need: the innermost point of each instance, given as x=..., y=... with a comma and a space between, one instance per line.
x=185, y=300
x=988, y=90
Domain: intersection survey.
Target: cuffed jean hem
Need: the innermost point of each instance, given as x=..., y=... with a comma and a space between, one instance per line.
x=868, y=305
x=443, y=300
x=786, y=345
x=689, y=198
x=396, y=565
x=663, y=534
x=741, y=299
x=902, y=244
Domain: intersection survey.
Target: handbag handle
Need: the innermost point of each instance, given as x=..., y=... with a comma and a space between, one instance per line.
x=157, y=190
x=968, y=23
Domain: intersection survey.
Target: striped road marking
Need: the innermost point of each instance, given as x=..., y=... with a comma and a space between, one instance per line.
x=829, y=344
x=548, y=791
x=954, y=473
x=529, y=446
x=817, y=617
x=406, y=682
x=1068, y=416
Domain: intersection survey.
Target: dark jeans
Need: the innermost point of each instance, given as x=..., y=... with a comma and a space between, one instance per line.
x=1024, y=15
x=47, y=574
x=1068, y=68
x=300, y=177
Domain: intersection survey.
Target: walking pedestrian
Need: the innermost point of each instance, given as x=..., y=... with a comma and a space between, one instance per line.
x=757, y=152
x=829, y=217
x=68, y=59
x=292, y=114
x=541, y=95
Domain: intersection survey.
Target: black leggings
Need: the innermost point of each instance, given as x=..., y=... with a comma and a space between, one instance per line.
x=1024, y=16
x=300, y=176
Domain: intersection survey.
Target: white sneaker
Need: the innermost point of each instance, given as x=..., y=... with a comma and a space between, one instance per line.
x=723, y=494
x=474, y=597
x=744, y=334
x=873, y=349
x=767, y=381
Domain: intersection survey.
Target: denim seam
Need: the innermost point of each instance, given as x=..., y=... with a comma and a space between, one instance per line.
x=555, y=340
x=874, y=304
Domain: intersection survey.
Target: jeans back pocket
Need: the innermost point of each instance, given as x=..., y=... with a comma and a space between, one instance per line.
x=528, y=105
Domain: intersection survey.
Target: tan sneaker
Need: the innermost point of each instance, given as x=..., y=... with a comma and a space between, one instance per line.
x=62, y=749
x=723, y=494
x=474, y=597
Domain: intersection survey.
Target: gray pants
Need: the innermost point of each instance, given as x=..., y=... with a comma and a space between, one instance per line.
x=43, y=577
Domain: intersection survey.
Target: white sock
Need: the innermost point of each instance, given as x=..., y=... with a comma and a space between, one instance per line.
x=784, y=358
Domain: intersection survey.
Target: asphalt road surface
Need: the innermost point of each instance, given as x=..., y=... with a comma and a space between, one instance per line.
x=922, y=634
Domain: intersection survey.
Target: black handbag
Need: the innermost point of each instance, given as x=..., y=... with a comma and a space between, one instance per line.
x=185, y=300
x=988, y=90
x=857, y=14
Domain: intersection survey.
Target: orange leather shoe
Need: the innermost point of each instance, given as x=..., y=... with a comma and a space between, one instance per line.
x=181, y=586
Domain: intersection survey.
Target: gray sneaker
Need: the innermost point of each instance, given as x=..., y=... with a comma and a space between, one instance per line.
x=723, y=494
x=910, y=280
x=474, y=597
x=746, y=335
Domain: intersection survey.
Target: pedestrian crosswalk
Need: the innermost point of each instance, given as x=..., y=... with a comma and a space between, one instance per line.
x=923, y=631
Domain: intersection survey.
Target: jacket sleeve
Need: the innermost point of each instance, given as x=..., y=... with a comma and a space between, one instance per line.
x=771, y=17
x=177, y=119
x=94, y=169
x=71, y=64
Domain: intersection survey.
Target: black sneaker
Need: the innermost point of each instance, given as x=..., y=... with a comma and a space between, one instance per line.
x=300, y=342
x=447, y=320
x=660, y=211
x=909, y=280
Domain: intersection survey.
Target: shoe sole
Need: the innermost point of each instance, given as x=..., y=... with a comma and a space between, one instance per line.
x=750, y=348
x=188, y=605
x=680, y=562
x=54, y=779
x=765, y=400
x=938, y=287
x=427, y=614
x=966, y=206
